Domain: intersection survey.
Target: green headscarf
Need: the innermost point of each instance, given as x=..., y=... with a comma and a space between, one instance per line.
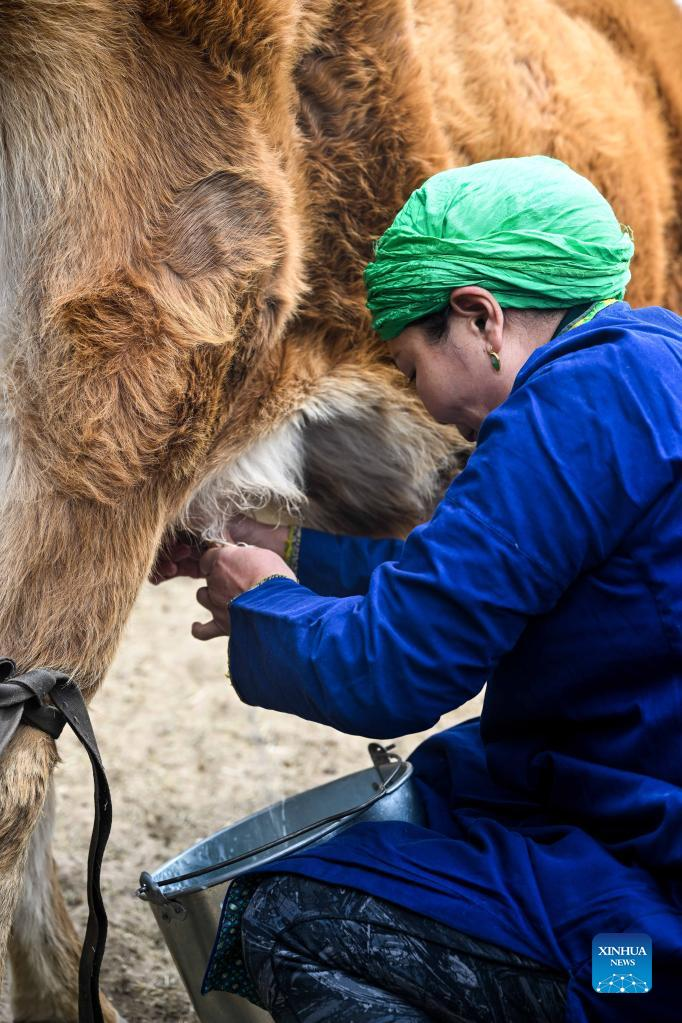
x=528, y=229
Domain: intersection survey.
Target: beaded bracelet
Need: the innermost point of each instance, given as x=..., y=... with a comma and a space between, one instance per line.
x=266, y=579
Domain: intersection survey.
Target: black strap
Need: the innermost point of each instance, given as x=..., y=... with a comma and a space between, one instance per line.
x=22, y=701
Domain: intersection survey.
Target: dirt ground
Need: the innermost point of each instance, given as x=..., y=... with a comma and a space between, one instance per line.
x=184, y=757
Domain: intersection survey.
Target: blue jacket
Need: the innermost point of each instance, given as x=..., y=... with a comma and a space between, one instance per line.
x=552, y=570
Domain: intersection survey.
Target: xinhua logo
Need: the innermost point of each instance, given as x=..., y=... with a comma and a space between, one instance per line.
x=621, y=964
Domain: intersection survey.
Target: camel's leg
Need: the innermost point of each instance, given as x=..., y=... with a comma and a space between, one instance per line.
x=44, y=948
x=25, y=770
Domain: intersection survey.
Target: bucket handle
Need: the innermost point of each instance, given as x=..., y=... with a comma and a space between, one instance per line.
x=382, y=756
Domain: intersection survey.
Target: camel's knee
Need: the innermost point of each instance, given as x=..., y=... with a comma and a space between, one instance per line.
x=25, y=770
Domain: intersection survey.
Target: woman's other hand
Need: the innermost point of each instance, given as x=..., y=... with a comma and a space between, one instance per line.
x=270, y=538
x=230, y=571
x=175, y=559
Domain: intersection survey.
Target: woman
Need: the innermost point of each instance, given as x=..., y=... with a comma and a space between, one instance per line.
x=552, y=570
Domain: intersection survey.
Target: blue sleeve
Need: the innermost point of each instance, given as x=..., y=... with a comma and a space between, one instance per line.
x=563, y=470
x=340, y=566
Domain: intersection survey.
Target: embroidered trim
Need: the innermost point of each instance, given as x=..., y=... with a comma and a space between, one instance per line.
x=296, y=550
x=292, y=547
x=595, y=308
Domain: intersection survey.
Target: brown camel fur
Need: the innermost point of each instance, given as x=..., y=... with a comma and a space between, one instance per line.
x=188, y=193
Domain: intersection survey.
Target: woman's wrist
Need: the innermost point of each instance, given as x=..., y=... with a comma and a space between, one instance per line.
x=265, y=579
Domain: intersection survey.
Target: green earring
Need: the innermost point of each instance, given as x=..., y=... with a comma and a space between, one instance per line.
x=495, y=360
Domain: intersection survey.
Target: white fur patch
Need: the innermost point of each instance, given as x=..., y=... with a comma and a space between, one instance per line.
x=270, y=473
x=6, y=441
x=5, y=286
x=11, y=243
x=14, y=214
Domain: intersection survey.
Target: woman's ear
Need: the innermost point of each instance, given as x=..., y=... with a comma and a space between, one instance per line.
x=482, y=309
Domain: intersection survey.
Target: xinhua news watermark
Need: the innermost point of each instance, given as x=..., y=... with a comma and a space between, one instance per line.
x=621, y=964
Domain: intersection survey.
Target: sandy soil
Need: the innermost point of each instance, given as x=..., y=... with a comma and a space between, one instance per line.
x=184, y=758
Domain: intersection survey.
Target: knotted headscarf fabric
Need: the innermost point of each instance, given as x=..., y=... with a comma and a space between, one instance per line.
x=528, y=229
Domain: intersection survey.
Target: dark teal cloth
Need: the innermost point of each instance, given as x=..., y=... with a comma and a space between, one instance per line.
x=552, y=569
x=226, y=969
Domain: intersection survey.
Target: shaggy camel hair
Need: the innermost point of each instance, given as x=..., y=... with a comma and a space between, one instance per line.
x=188, y=193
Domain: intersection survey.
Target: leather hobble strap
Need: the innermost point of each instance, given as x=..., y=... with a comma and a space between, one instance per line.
x=23, y=701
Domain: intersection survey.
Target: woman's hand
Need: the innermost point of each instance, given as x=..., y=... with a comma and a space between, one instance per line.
x=230, y=571
x=182, y=554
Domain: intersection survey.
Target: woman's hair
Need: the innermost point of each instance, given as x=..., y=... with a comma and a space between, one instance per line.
x=434, y=325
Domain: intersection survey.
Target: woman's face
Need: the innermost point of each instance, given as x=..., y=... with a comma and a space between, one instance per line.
x=454, y=375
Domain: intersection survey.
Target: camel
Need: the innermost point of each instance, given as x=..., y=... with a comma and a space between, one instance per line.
x=189, y=190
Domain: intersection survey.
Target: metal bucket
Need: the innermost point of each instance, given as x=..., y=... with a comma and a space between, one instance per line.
x=187, y=908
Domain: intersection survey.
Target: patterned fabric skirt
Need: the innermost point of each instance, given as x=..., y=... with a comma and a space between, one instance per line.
x=305, y=950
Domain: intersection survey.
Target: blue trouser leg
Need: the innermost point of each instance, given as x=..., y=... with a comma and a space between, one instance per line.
x=323, y=952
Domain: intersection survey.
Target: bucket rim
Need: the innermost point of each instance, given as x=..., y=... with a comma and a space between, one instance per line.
x=401, y=775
